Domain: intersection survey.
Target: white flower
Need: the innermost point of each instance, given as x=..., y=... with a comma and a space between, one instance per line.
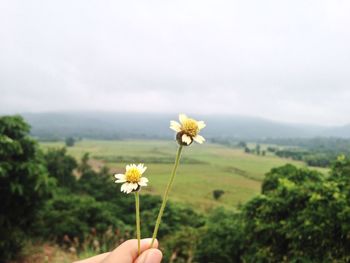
x=132, y=179
x=187, y=130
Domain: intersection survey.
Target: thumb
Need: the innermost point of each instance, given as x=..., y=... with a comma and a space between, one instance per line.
x=127, y=252
x=151, y=255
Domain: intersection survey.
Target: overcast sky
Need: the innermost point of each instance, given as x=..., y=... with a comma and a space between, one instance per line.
x=282, y=60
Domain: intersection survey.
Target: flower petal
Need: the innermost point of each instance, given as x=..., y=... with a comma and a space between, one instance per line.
x=123, y=188
x=201, y=124
x=129, y=187
x=174, y=125
x=141, y=168
x=133, y=186
x=182, y=118
x=143, y=181
x=119, y=176
x=120, y=181
x=199, y=139
x=186, y=139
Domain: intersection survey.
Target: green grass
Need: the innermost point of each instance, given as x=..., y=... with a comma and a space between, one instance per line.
x=205, y=168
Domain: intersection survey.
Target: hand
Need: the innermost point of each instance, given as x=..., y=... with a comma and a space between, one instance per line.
x=127, y=253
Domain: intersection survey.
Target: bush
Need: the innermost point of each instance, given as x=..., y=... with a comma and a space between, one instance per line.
x=222, y=239
x=217, y=194
x=24, y=182
x=180, y=246
x=301, y=216
x=74, y=216
x=61, y=166
x=70, y=142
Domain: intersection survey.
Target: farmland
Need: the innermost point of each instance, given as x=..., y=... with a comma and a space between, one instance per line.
x=203, y=168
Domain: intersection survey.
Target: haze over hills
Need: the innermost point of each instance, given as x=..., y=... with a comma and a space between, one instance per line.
x=109, y=125
x=343, y=131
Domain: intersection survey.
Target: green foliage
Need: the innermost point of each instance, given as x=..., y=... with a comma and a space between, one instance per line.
x=242, y=144
x=222, y=239
x=24, y=183
x=61, y=166
x=271, y=149
x=181, y=245
x=74, y=216
x=148, y=160
x=218, y=193
x=301, y=216
x=100, y=185
x=319, y=152
x=234, y=168
x=288, y=173
x=175, y=216
x=257, y=149
x=70, y=141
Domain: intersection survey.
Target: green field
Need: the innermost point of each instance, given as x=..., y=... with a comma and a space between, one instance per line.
x=204, y=168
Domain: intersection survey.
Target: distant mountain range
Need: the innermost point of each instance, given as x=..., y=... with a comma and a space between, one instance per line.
x=108, y=125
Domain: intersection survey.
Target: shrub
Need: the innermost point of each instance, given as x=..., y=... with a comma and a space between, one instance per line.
x=61, y=166
x=222, y=239
x=24, y=184
x=74, y=216
x=301, y=216
x=70, y=141
x=217, y=194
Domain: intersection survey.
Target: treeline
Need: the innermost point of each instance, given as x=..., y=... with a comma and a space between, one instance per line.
x=300, y=215
x=315, y=152
x=318, y=152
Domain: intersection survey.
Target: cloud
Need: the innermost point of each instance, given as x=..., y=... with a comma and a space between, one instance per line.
x=284, y=60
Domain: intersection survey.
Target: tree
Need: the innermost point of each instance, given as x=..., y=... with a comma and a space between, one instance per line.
x=61, y=166
x=218, y=193
x=75, y=215
x=242, y=144
x=223, y=238
x=24, y=183
x=301, y=216
x=257, y=149
x=70, y=141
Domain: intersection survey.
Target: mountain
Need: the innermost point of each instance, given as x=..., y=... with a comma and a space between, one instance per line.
x=109, y=125
x=343, y=131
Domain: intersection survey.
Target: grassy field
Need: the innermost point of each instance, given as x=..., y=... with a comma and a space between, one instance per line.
x=204, y=168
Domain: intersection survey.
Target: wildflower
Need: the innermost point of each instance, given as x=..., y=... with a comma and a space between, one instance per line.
x=187, y=130
x=132, y=179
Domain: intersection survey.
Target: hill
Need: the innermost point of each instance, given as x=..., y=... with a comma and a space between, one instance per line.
x=108, y=125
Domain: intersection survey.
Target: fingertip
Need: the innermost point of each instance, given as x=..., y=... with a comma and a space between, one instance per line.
x=152, y=255
x=146, y=242
x=156, y=254
x=129, y=249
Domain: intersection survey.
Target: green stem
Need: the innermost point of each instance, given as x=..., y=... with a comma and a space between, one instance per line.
x=138, y=231
x=166, y=194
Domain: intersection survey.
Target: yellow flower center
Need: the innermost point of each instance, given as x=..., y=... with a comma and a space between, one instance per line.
x=190, y=127
x=133, y=175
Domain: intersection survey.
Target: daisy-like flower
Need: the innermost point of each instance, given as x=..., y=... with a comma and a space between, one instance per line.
x=132, y=179
x=187, y=130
